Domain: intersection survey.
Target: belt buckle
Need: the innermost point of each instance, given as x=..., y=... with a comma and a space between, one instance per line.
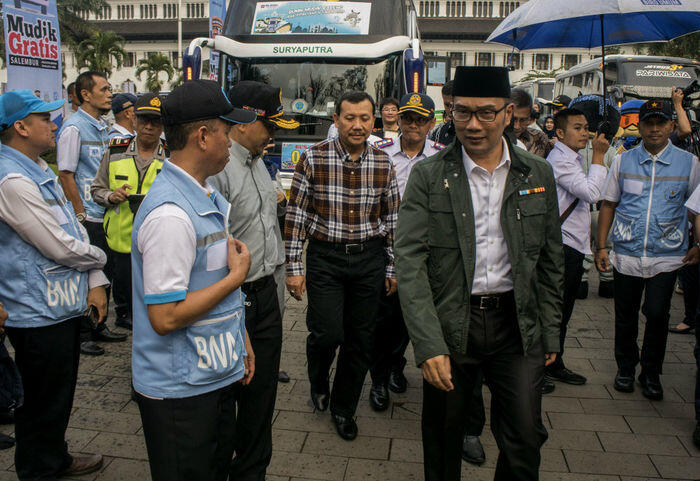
x=487, y=303
x=350, y=248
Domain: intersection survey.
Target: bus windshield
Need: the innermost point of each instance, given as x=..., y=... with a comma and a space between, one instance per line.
x=546, y=91
x=312, y=88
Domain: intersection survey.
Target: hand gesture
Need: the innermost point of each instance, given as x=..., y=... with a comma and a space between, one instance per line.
x=602, y=260
x=119, y=195
x=600, y=144
x=677, y=96
x=238, y=258
x=296, y=285
x=97, y=296
x=390, y=285
x=438, y=372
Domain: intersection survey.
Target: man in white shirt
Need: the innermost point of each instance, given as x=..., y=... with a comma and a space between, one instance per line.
x=576, y=191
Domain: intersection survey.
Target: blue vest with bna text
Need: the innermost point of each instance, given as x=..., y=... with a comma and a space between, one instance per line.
x=207, y=354
x=35, y=290
x=94, y=140
x=651, y=218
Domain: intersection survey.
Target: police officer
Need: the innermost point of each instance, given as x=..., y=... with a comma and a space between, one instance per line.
x=126, y=172
x=190, y=346
x=123, y=110
x=415, y=119
x=247, y=185
x=81, y=144
x=49, y=276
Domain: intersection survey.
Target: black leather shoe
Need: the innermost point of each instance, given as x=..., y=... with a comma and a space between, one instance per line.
x=105, y=335
x=346, y=427
x=606, y=289
x=6, y=442
x=320, y=401
x=83, y=465
x=89, y=348
x=563, y=374
x=472, y=450
x=582, y=292
x=397, y=381
x=651, y=386
x=547, y=387
x=124, y=322
x=696, y=435
x=283, y=377
x=624, y=382
x=379, y=397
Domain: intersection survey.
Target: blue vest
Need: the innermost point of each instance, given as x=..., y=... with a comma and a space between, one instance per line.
x=94, y=140
x=208, y=354
x=651, y=218
x=35, y=290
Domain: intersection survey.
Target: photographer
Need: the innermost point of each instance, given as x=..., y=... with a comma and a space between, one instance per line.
x=683, y=128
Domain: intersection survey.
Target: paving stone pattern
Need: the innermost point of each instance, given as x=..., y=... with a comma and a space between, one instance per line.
x=595, y=432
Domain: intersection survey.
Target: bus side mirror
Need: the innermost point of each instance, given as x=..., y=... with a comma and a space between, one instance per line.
x=192, y=63
x=414, y=71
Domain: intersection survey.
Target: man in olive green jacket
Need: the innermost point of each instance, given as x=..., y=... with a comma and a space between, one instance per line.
x=480, y=266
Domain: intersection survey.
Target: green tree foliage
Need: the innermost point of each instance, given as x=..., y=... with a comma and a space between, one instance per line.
x=101, y=52
x=153, y=66
x=535, y=74
x=687, y=46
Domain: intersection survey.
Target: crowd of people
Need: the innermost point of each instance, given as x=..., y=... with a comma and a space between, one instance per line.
x=468, y=239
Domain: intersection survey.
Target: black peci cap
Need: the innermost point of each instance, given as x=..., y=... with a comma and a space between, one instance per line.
x=481, y=82
x=263, y=99
x=201, y=100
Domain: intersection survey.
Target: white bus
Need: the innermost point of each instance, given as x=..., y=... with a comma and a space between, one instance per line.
x=628, y=77
x=315, y=51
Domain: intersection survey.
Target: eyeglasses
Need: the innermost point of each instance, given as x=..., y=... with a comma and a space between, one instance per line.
x=419, y=121
x=485, y=115
x=390, y=109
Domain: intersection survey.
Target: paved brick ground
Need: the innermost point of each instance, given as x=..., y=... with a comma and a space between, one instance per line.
x=595, y=433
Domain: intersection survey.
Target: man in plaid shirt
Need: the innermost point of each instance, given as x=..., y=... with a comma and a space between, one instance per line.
x=345, y=199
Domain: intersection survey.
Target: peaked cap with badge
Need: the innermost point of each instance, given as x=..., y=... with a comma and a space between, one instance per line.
x=262, y=99
x=418, y=103
x=148, y=105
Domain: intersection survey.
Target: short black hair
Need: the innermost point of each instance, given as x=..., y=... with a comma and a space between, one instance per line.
x=387, y=101
x=561, y=118
x=176, y=135
x=86, y=81
x=71, y=88
x=521, y=99
x=448, y=88
x=354, y=97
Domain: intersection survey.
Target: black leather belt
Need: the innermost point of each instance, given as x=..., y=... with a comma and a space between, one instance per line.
x=355, y=248
x=489, y=302
x=256, y=285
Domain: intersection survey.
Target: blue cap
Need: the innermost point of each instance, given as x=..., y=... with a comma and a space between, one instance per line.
x=122, y=102
x=17, y=104
x=631, y=107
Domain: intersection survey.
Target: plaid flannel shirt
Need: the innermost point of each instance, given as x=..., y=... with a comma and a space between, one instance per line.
x=336, y=199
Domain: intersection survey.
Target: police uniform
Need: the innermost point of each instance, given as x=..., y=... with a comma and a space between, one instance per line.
x=47, y=269
x=186, y=379
x=391, y=336
x=123, y=165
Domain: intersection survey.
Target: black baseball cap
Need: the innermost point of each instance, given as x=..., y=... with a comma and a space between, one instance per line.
x=658, y=108
x=197, y=100
x=121, y=102
x=561, y=101
x=418, y=103
x=148, y=105
x=262, y=99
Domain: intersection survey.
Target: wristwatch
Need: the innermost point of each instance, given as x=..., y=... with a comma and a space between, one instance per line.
x=81, y=217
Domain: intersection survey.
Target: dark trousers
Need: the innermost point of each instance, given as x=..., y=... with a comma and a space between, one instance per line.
x=657, y=291
x=96, y=233
x=390, y=340
x=47, y=359
x=514, y=379
x=257, y=400
x=476, y=413
x=343, y=301
x=120, y=267
x=192, y=438
x=697, y=374
x=573, y=272
x=689, y=278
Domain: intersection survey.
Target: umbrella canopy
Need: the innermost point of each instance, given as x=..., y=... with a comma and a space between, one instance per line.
x=569, y=23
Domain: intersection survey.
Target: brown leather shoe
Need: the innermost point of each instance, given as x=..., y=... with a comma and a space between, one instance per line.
x=83, y=465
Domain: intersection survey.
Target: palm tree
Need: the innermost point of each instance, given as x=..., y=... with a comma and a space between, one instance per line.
x=100, y=52
x=153, y=66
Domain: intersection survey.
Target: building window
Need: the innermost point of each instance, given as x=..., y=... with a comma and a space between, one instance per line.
x=174, y=57
x=541, y=61
x=129, y=60
x=514, y=61
x=482, y=59
x=456, y=59
x=421, y=11
x=569, y=61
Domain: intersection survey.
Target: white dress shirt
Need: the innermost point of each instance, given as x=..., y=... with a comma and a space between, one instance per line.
x=402, y=163
x=572, y=184
x=492, y=269
x=643, y=266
